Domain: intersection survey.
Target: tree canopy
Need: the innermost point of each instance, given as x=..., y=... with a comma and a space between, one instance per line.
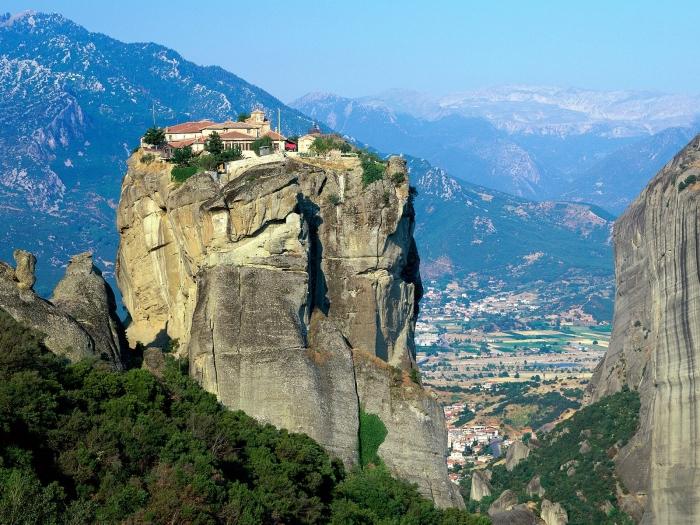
x=214, y=144
x=81, y=444
x=154, y=136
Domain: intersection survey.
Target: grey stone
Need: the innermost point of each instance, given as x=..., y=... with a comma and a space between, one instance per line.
x=290, y=308
x=80, y=324
x=656, y=327
x=517, y=452
x=480, y=486
x=24, y=270
x=553, y=513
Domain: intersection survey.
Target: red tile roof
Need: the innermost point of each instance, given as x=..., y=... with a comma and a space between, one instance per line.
x=186, y=142
x=236, y=135
x=274, y=135
x=189, y=127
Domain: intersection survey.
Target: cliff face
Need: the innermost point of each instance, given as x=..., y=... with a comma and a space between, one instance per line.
x=653, y=346
x=293, y=290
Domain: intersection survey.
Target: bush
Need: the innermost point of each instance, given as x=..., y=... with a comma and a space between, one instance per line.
x=414, y=374
x=261, y=142
x=690, y=179
x=372, y=168
x=207, y=162
x=182, y=156
x=182, y=173
x=242, y=117
x=147, y=158
x=228, y=155
x=372, y=434
x=328, y=143
x=334, y=199
x=398, y=178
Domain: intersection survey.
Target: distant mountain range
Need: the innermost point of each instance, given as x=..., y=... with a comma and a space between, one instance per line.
x=73, y=104
x=538, y=143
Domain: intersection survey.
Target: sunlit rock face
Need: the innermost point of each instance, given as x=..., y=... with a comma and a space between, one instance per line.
x=654, y=345
x=293, y=289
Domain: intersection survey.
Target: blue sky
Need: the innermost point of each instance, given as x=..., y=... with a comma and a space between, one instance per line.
x=364, y=47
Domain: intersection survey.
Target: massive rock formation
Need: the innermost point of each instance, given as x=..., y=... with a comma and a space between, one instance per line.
x=653, y=346
x=80, y=320
x=293, y=290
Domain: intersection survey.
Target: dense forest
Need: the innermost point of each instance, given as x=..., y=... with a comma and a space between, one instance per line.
x=80, y=444
x=575, y=463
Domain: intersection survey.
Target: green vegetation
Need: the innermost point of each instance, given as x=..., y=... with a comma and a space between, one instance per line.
x=182, y=173
x=371, y=436
x=81, y=444
x=371, y=496
x=214, y=144
x=186, y=164
x=325, y=144
x=182, y=156
x=414, y=374
x=532, y=410
x=465, y=417
x=334, y=199
x=242, y=117
x=690, y=179
x=260, y=143
x=398, y=178
x=590, y=486
x=154, y=136
x=147, y=158
x=373, y=168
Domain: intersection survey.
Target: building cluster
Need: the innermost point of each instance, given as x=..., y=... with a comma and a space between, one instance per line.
x=473, y=444
x=233, y=134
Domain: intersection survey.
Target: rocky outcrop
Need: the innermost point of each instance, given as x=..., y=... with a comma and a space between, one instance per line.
x=516, y=453
x=481, y=485
x=654, y=343
x=293, y=290
x=553, y=513
x=534, y=487
x=79, y=322
x=506, y=501
x=506, y=511
x=86, y=297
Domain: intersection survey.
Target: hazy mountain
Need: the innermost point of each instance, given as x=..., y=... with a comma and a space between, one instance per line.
x=72, y=106
x=554, y=110
x=554, y=144
x=463, y=228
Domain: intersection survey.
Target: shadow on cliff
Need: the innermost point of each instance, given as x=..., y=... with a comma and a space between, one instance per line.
x=318, y=288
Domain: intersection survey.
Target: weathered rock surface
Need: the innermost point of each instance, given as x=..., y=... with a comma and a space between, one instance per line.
x=506, y=501
x=516, y=453
x=534, y=487
x=518, y=515
x=86, y=297
x=654, y=343
x=293, y=290
x=80, y=321
x=25, y=266
x=481, y=485
x=553, y=513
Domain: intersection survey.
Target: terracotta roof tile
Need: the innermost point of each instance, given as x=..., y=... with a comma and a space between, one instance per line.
x=189, y=127
x=236, y=135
